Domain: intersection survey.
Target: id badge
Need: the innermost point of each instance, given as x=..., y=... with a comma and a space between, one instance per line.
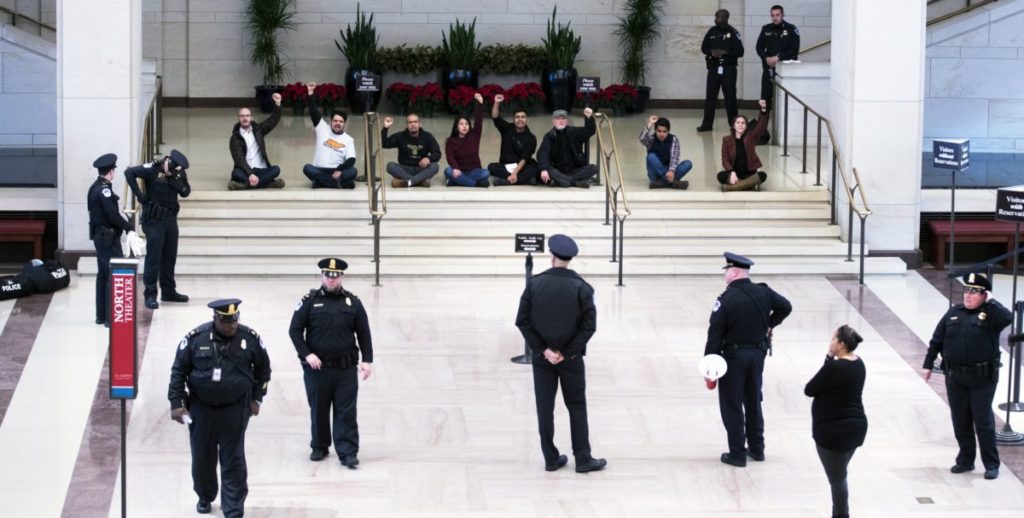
x=721, y=70
x=216, y=374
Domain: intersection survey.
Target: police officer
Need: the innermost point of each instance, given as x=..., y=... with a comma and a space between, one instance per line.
x=722, y=49
x=557, y=318
x=165, y=181
x=105, y=227
x=225, y=368
x=740, y=330
x=330, y=330
x=778, y=41
x=968, y=338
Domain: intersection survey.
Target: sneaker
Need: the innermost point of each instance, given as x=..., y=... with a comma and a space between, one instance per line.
x=558, y=464
x=582, y=184
x=398, y=184
x=681, y=184
x=424, y=183
x=499, y=181
x=236, y=186
x=276, y=184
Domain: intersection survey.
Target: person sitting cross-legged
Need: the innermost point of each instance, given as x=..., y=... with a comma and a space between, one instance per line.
x=515, y=165
x=561, y=158
x=334, y=157
x=252, y=169
x=418, y=153
x=739, y=158
x=463, y=150
x=664, y=169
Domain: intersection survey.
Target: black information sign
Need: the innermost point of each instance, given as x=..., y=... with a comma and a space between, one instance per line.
x=530, y=243
x=951, y=154
x=588, y=85
x=1010, y=203
x=369, y=83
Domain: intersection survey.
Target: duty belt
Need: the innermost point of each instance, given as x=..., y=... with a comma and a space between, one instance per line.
x=341, y=363
x=981, y=370
x=153, y=211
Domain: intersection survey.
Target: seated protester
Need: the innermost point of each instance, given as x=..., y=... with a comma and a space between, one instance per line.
x=463, y=150
x=334, y=157
x=561, y=158
x=418, y=153
x=663, y=166
x=739, y=158
x=249, y=152
x=515, y=163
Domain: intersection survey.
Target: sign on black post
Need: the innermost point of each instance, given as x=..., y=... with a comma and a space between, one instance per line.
x=951, y=154
x=588, y=85
x=1010, y=203
x=529, y=243
x=369, y=83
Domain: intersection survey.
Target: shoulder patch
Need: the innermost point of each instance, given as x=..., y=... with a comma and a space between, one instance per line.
x=183, y=344
x=718, y=304
x=738, y=35
x=796, y=30
x=106, y=192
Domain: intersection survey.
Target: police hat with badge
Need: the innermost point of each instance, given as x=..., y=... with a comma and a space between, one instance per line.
x=105, y=163
x=225, y=309
x=563, y=247
x=737, y=261
x=332, y=267
x=977, y=283
x=178, y=160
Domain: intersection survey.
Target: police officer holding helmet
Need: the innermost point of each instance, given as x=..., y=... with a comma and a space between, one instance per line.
x=968, y=338
x=225, y=367
x=330, y=330
x=105, y=227
x=740, y=330
x=165, y=181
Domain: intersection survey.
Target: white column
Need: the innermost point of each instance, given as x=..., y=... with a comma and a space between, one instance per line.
x=877, y=108
x=99, y=64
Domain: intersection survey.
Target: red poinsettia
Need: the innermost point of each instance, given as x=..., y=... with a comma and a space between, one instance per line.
x=620, y=96
x=524, y=96
x=294, y=94
x=330, y=92
x=426, y=98
x=489, y=91
x=399, y=95
x=598, y=99
x=460, y=99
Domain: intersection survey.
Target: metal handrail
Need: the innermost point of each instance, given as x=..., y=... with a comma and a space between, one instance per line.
x=373, y=165
x=152, y=135
x=616, y=201
x=855, y=195
x=15, y=15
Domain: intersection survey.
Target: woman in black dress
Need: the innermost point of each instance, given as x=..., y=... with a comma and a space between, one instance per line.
x=837, y=412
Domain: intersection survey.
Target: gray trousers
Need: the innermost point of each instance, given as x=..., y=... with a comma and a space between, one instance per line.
x=412, y=173
x=835, y=463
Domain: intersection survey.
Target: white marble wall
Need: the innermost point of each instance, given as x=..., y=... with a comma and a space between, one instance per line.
x=975, y=65
x=205, y=51
x=27, y=89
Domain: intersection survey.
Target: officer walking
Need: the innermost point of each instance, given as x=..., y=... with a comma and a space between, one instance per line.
x=225, y=367
x=968, y=338
x=165, y=181
x=105, y=227
x=330, y=330
x=722, y=49
x=778, y=41
x=557, y=318
x=740, y=330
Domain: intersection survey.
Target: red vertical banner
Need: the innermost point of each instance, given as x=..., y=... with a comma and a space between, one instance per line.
x=124, y=378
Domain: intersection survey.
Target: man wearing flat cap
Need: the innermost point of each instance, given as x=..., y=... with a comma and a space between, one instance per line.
x=968, y=338
x=561, y=158
x=330, y=331
x=165, y=181
x=105, y=227
x=218, y=380
x=740, y=330
x=557, y=317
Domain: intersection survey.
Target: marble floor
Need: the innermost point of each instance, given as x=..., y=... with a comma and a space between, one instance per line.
x=447, y=422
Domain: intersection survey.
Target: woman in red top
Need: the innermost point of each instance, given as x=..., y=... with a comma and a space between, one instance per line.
x=463, y=150
x=739, y=158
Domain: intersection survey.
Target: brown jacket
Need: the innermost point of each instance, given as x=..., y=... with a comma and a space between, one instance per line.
x=750, y=139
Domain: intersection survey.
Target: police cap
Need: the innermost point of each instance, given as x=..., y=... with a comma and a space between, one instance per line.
x=332, y=267
x=225, y=309
x=737, y=261
x=563, y=247
x=977, y=281
x=105, y=162
x=179, y=159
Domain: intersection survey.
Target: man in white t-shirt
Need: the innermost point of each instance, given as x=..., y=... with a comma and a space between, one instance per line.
x=334, y=156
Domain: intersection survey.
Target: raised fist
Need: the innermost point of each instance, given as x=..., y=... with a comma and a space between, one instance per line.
x=479, y=98
x=388, y=121
x=763, y=104
x=652, y=120
x=277, y=98
x=587, y=112
x=499, y=98
x=310, y=87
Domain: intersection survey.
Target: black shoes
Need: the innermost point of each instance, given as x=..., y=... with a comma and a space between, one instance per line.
x=758, y=457
x=991, y=474
x=173, y=296
x=499, y=181
x=733, y=460
x=203, y=507
x=559, y=464
x=318, y=454
x=582, y=184
x=702, y=129
x=151, y=303
x=590, y=465
x=957, y=468
x=100, y=321
x=349, y=461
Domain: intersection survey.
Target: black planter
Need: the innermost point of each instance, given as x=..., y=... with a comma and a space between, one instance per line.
x=263, y=96
x=451, y=78
x=360, y=102
x=643, y=95
x=559, y=89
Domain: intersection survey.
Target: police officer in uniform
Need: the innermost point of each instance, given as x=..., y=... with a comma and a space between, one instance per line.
x=740, y=330
x=105, y=227
x=778, y=41
x=557, y=317
x=165, y=181
x=218, y=380
x=722, y=49
x=330, y=330
x=968, y=338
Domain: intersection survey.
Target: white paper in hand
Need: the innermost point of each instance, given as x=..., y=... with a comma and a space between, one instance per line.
x=712, y=366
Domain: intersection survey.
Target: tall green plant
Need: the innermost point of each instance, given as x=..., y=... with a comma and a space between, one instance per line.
x=265, y=20
x=562, y=44
x=459, y=47
x=637, y=31
x=360, y=43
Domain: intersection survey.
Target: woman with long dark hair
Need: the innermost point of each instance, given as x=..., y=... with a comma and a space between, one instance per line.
x=837, y=413
x=462, y=149
x=739, y=155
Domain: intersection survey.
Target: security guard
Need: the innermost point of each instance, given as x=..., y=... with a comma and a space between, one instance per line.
x=105, y=227
x=557, y=318
x=740, y=330
x=330, y=330
x=778, y=41
x=226, y=369
x=968, y=338
x=722, y=49
x=165, y=182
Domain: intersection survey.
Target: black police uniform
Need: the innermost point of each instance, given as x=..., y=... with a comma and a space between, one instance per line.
x=105, y=227
x=721, y=71
x=335, y=328
x=557, y=311
x=160, y=223
x=741, y=321
x=219, y=409
x=782, y=41
x=969, y=342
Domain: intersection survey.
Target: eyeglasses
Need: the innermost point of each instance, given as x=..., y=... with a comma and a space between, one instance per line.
x=973, y=291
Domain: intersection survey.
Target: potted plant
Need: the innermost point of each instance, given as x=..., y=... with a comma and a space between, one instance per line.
x=489, y=91
x=559, y=77
x=637, y=31
x=295, y=96
x=524, y=96
x=359, y=46
x=620, y=98
x=425, y=99
x=330, y=96
x=459, y=52
x=399, y=93
x=460, y=100
x=596, y=100
x=265, y=20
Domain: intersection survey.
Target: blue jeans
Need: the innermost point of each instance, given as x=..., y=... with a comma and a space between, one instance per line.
x=467, y=178
x=324, y=177
x=656, y=170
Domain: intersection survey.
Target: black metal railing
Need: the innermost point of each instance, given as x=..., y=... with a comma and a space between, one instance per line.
x=616, y=208
x=16, y=16
x=373, y=165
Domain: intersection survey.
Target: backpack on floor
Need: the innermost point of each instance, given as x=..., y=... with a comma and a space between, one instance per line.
x=14, y=286
x=47, y=277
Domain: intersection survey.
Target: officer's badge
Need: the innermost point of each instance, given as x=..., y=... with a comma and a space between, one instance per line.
x=298, y=305
x=718, y=304
x=348, y=301
x=727, y=35
x=106, y=192
x=953, y=318
x=785, y=33
x=183, y=344
x=982, y=316
x=244, y=344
